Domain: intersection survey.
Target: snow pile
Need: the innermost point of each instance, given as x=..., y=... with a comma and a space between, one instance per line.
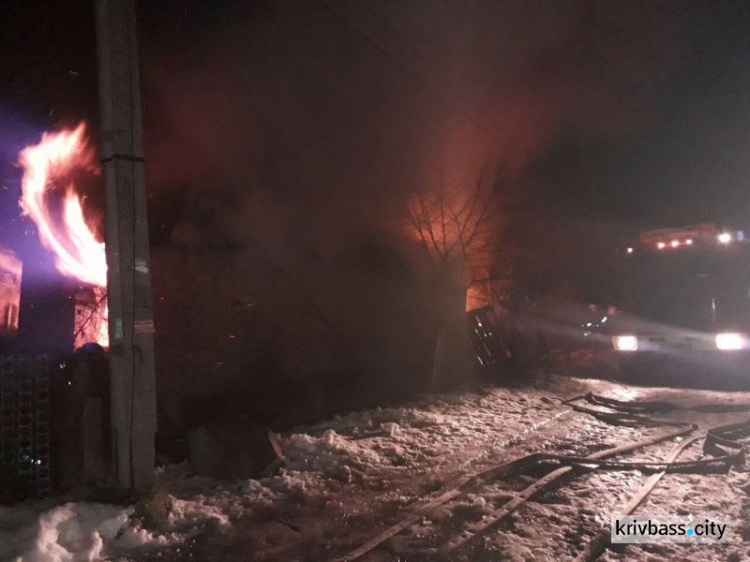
x=408, y=417
x=289, y=483
x=188, y=515
x=380, y=420
x=71, y=532
x=426, y=433
x=330, y=453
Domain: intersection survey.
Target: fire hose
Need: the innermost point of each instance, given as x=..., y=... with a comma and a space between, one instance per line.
x=630, y=414
x=646, y=406
x=725, y=435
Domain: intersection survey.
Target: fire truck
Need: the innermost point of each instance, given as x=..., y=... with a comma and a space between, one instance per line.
x=684, y=305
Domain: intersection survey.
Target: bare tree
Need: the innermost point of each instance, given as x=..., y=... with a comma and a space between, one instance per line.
x=459, y=230
x=91, y=316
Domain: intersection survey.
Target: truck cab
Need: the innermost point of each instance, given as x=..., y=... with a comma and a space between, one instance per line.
x=685, y=306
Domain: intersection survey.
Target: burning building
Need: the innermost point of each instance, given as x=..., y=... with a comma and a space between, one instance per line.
x=58, y=306
x=10, y=291
x=50, y=198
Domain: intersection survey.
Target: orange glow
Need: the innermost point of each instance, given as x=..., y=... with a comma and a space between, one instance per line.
x=90, y=324
x=9, y=263
x=77, y=250
x=10, y=291
x=456, y=227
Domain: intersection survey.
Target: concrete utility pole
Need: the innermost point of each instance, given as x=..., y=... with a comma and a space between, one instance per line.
x=131, y=326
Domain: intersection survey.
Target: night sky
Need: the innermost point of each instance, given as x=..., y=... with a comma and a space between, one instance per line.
x=610, y=111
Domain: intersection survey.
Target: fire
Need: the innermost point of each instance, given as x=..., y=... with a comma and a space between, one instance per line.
x=10, y=264
x=10, y=290
x=63, y=229
x=77, y=251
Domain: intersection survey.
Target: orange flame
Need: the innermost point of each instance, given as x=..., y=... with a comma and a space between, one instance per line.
x=77, y=251
x=10, y=264
x=10, y=290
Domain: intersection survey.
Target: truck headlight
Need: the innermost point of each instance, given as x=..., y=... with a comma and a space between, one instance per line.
x=729, y=342
x=625, y=343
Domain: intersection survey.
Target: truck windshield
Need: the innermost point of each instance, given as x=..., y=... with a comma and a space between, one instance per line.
x=705, y=290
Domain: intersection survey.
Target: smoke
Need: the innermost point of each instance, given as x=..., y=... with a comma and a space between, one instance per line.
x=345, y=108
x=284, y=141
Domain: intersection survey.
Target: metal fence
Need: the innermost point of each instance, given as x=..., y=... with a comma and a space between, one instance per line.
x=25, y=415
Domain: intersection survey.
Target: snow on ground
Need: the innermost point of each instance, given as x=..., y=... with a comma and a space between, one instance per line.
x=350, y=477
x=70, y=532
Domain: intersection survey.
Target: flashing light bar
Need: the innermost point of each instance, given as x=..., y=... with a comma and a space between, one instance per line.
x=677, y=238
x=674, y=244
x=723, y=238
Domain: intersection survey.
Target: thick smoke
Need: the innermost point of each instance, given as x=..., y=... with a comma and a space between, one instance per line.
x=347, y=108
x=284, y=141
